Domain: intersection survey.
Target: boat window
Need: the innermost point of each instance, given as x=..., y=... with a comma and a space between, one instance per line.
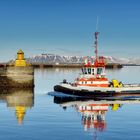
x=82, y=70
x=99, y=70
x=89, y=70
x=85, y=71
x=93, y=71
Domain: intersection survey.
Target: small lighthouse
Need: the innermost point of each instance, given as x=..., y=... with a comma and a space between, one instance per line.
x=20, y=61
x=21, y=74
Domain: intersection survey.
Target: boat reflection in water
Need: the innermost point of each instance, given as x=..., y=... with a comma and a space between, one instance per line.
x=93, y=115
x=93, y=112
x=20, y=101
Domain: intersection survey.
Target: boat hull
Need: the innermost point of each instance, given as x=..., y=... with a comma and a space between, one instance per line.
x=94, y=93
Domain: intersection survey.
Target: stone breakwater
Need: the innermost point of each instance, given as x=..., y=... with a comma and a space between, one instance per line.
x=19, y=77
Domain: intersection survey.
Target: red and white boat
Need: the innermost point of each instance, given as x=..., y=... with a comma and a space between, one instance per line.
x=93, y=81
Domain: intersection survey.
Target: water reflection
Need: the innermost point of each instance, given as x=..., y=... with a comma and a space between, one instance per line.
x=93, y=112
x=19, y=100
x=93, y=116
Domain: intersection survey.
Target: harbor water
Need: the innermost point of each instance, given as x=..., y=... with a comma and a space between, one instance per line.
x=33, y=114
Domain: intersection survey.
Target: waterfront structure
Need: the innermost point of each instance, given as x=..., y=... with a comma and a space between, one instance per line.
x=20, y=61
x=19, y=74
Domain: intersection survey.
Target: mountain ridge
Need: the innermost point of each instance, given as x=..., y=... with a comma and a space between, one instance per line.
x=64, y=59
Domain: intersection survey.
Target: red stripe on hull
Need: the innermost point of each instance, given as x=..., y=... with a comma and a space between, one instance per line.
x=93, y=79
x=94, y=85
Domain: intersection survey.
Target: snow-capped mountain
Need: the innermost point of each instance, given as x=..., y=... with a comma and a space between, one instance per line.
x=135, y=61
x=54, y=59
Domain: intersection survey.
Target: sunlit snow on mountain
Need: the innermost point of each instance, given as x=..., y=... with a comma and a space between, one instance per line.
x=53, y=59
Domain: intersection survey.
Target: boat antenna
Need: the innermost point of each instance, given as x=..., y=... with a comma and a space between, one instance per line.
x=97, y=21
x=96, y=39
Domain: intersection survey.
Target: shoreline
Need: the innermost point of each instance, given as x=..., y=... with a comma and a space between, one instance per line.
x=36, y=65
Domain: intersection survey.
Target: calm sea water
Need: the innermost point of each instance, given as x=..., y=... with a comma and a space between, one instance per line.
x=29, y=116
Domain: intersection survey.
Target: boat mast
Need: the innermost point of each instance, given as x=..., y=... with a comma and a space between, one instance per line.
x=96, y=45
x=96, y=40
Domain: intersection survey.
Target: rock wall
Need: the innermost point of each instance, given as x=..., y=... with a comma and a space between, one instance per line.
x=17, y=77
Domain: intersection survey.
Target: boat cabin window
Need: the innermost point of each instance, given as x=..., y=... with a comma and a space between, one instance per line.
x=84, y=71
x=99, y=70
x=92, y=71
x=89, y=70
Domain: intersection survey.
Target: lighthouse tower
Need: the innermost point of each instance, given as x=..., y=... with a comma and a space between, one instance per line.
x=20, y=61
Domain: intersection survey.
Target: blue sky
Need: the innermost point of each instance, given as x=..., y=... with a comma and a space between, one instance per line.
x=67, y=27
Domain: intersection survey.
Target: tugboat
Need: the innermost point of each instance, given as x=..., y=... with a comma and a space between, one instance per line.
x=93, y=82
